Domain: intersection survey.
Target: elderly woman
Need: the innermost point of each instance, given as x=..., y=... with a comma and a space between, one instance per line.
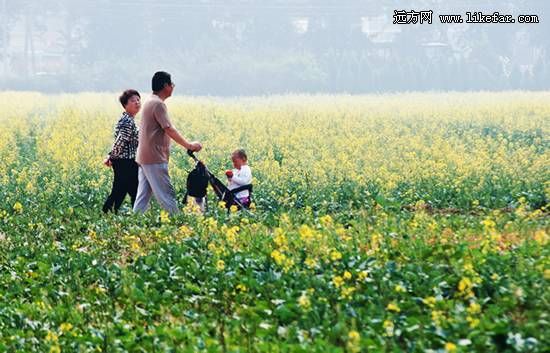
x=123, y=154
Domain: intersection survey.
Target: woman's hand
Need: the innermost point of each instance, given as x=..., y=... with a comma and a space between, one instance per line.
x=107, y=162
x=229, y=174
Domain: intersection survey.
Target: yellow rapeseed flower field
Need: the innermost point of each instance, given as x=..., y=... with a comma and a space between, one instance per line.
x=384, y=223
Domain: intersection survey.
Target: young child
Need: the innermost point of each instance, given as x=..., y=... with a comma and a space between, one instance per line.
x=241, y=175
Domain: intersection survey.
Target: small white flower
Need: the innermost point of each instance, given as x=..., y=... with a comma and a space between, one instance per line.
x=282, y=331
x=277, y=301
x=464, y=342
x=265, y=326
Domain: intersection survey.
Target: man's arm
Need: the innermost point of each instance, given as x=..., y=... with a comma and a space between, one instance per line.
x=176, y=136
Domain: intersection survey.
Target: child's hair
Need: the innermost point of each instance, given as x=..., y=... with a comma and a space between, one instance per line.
x=241, y=153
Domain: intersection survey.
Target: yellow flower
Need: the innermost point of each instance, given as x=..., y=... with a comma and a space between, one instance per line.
x=134, y=243
x=488, y=224
x=280, y=238
x=400, y=289
x=437, y=317
x=211, y=223
x=338, y=281
x=353, y=341
x=212, y=247
x=184, y=231
x=55, y=349
x=288, y=263
x=17, y=207
x=347, y=275
x=388, y=326
x=233, y=209
x=65, y=327
x=541, y=237
x=326, y=221
x=241, y=287
x=304, y=301
x=473, y=322
x=354, y=336
x=335, y=255
x=547, y=273
x=343, y=234
x=41, y=304
x=51, y=337
x=276, y=255
x=347, y=292
x=376, y=241
x=393, y=307
x=474, y=308
x=100, y=289
x=279, y=257
x=164, y=217
x=231, y=233
x=363, y=275
x=450, y=347
x=221, y=205
x=306, y=233
x=220, y=265
x=464, y=285
x=429, y=301
x=310, y=263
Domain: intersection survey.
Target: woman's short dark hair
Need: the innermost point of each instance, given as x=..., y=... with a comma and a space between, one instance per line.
x=126, y=95
x=160, y=79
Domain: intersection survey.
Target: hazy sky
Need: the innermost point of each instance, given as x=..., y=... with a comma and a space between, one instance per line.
x=264, y=47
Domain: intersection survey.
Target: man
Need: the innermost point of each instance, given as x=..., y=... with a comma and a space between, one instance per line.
x=153, y=152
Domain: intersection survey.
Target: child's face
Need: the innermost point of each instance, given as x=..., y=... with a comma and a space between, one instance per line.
x=237, y=161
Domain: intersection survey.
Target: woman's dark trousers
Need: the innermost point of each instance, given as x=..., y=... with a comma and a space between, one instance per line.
x=125, y=182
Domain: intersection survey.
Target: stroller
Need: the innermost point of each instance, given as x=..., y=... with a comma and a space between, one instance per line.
x=199, y=179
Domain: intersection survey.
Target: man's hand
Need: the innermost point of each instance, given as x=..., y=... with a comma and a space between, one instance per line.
x=107, y=161
x=195, y=146
x=229, y=174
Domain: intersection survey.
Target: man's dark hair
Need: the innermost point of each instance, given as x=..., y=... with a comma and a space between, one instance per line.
x=160, y=79
x=126, y=95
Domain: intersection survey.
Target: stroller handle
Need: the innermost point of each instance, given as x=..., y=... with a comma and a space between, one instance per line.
x=192, y=155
